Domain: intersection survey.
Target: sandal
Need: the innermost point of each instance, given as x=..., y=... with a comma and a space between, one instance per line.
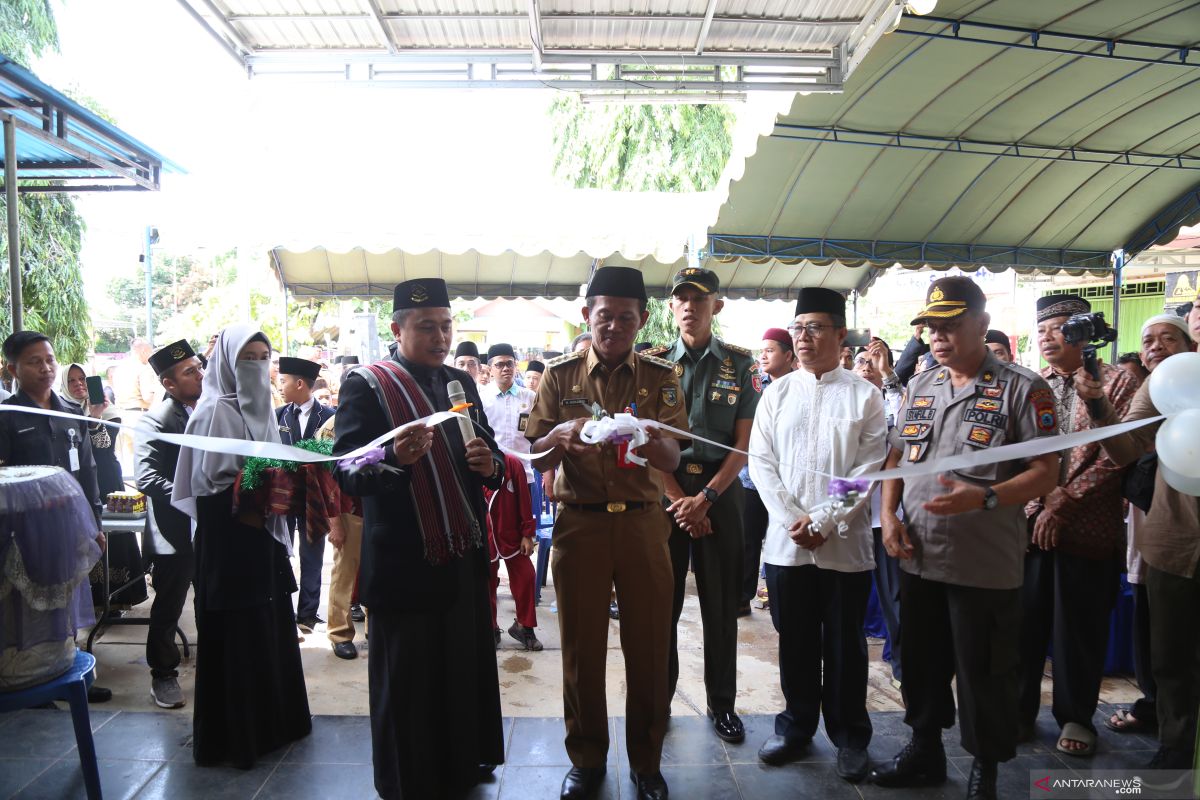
x=1122, y=721
x=1074, y=732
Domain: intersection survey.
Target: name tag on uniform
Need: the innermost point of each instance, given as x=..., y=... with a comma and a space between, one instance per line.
x=522, y=422
x=576, y=401
x=73, y=458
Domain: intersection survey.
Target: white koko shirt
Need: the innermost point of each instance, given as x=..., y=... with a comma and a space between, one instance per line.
x=507, y=413
x=835, y=425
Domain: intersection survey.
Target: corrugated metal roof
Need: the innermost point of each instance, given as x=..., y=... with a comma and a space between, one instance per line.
x=1031, y=159
x=329, y=35
x=57, y=139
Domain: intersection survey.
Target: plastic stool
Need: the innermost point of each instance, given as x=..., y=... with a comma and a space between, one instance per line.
x=543, y=564
x=71, y=686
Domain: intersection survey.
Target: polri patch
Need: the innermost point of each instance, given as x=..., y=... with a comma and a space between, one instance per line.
x=986, y=418
x=1043, y=407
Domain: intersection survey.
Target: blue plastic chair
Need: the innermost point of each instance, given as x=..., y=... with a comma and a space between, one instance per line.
x=71, y=686
x=543, y=512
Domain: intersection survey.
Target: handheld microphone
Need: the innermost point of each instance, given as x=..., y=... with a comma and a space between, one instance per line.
x=457, y=398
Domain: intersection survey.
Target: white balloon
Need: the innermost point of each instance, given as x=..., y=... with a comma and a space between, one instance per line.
x=1175, y=383
x=1178, y=442
x=1180, y=483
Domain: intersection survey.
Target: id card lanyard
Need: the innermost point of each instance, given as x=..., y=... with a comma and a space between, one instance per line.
x=73, y=449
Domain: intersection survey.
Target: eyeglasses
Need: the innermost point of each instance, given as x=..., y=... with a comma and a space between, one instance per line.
x=503, y=364
x=815, y=330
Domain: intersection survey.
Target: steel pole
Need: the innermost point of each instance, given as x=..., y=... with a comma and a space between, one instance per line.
x=15, y=298
x=1118, y=265
x=149, y=289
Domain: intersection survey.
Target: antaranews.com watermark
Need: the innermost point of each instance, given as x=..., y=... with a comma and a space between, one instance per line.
x=1120, y=784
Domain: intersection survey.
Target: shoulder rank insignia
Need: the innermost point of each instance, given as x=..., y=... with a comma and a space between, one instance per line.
x=565, y=358
x=737, y=349
x=656, y=361
x=654, y=351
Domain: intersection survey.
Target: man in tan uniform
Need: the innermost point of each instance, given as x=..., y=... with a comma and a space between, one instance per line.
x=962, y=543
x=611, y=529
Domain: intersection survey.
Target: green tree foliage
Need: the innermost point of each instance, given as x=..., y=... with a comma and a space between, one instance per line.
x=663, y=148
x=51, y=230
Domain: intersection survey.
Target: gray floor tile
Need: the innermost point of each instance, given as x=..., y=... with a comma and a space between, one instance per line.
x=800, y=781
x=151, y=736
x=42, y=733
x=697, y=782
x=341, y=781
x=689, y=740
x=15, y=773
x=538, y=742
x=334, y=740
x=761, y=726
x=63, y=780
x=527, y=783
x=181, y=779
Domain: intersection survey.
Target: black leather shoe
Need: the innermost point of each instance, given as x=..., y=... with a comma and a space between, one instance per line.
x=356, y=613
x=981, y=784
x=613, y=611
x=309, y=624
x=852, y=764
x=728, y=726
x=581, y=782
x=915, y=765
x=345, y=650
x=496, y=636
x=99, y=694
x=649, y=787
x=486, y=771
x=778, y=750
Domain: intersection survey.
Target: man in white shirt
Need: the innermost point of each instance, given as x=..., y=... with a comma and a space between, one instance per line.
x=506, y=404
x=819, y=420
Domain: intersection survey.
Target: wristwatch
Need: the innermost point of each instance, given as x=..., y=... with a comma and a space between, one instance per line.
x=990, y=499
x=710, y=494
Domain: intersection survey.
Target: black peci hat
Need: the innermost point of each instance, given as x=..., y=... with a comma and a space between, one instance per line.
x=617, y=282
x=812, y=300
x=1061, y=305
x=169, y=355
x=501, y=349
x=299, y=366
x=421, y=293
x=535, y=366
x=467, y=349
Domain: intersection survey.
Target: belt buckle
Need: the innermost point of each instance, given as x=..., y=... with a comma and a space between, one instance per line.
x=694, y=469
x=614, y=508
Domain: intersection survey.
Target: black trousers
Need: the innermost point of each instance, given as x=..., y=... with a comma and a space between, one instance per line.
x=717, y=561
x=1067, y=600
x=171, y=577
x=754, y=530
x=818, y=614
x=887, y=589
x=1145, y=709
x=312, y=560
x=1175, y=652
x=972, y=635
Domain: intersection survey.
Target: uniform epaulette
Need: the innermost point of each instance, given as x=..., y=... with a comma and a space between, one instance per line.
x=565, y=358
x=655, y=351
x=656, y=361
x=737, y=349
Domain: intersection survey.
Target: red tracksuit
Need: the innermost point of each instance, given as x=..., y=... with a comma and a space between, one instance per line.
x=510, y=519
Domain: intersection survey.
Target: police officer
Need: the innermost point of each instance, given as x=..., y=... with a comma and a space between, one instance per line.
x=611, y=528
x=704, y=496
x=962, y=543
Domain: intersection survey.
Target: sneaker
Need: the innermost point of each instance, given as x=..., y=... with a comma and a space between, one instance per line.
x=525, y=636
x=166, y=693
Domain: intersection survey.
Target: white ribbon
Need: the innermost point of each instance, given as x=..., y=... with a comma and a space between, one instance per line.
x=621, y=425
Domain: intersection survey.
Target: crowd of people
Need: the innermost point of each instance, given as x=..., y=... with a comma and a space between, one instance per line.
x=980, y=570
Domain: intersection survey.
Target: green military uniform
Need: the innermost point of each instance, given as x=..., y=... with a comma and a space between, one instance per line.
x=611, y=529
x=719, y=389
x=962, y=585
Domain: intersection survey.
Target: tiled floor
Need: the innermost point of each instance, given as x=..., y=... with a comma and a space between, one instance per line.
x=148, y=755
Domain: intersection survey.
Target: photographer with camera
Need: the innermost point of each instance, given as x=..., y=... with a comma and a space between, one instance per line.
x=1077, y=548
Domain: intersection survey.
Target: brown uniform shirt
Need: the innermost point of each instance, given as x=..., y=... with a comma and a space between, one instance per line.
x=1169, y=539
x=1007, y=404
x=571, y=384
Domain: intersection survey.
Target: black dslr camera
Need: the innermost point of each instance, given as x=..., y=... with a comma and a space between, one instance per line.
x=1090, y=330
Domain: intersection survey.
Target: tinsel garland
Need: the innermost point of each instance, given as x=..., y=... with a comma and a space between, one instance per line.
x=253, y=469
